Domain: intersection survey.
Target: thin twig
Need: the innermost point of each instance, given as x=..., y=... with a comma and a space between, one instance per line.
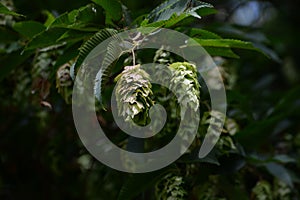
x=133, y=56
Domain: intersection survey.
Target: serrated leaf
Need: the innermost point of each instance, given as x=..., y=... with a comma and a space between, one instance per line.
x=172, y=12
x=29, y=28
x=172, y=21
x=6, y=11
x=170, y=7
x=199, y=9
x=175, y=19
x=197, y=33
x=165, y=10
x=90, y=44
x=258, y=38
x=219, y=46
x=226, y=43
x=87, y=47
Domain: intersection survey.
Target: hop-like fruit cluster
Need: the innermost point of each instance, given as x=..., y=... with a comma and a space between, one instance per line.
x=171, y=187
x=64, y=82
x=184, y=81
x=133, y=94
x=181, y=78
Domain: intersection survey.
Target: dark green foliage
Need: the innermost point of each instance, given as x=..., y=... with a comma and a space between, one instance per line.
x=92, y=42
x=6, y=11
x=257, y=155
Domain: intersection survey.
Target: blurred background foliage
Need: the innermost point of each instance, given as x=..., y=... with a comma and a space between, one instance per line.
x=41, y=156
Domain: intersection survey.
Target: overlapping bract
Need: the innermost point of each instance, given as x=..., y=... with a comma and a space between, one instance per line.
x=184, y=81
x=133, y=94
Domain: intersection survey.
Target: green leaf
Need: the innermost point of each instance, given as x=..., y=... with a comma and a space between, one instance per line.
x=69, y=53
x=175, y=19
x=200, y=9
x=288, y=103
x=46, y=38
x=11, y=61
x=198, y=33
x=171, y=22
x=89, y=45
x=280, y=172
x=56, y=36
x=220, y=51
x=61, y=30
x=165, y=10
x=222, y=47
x=204, y=11
x=29, y=28
x=74, y=36
x=113, y=52
x=257, y=129
x=50, y=18
x=258, y=39
x=193, y=157
x=6, y=11
x=7, y=35
x=86, y=15
x=268, y=52
x=226, y=43
x=176, y=7
x=172, y=12
x=113, y=9
x=80, y=19
x=64, y=20
x=138, y=183
x=284, y=159
x=287, y=106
